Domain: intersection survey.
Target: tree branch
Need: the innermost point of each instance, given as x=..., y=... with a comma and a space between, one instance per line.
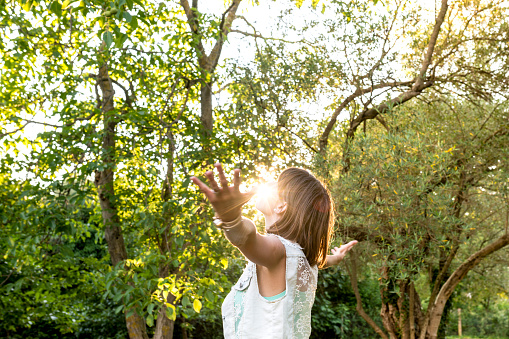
x=359, y=92
x=8, y=276
x=303, y=140
x=225, y=26
x=184, y=105
x=440, y=277
x=359, y=308
x=384, y=107
x=257, y=35
x=431, y=46
x=382, y=121
x=455, y=278
x=42, y=123
x=417, y=88
x=191, y=20
x=16, y=130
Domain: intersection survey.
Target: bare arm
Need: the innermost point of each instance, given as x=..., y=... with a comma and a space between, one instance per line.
x=227, y=201
x=261, y=249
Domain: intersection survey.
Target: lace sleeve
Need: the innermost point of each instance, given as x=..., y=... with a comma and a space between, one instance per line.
x=304, y=296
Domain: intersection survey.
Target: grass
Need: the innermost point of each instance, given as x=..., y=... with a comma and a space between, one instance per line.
x=468, y=337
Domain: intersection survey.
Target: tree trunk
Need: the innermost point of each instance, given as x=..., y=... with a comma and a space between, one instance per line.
x=402, y=317
x=460, y=330
x=136, y=327
x=411, y=317
x=387, y=313
x=164, y=325
x=104, y=182
x=454, y=280
x=209, y=62
x=359, y=308
x=206, y=118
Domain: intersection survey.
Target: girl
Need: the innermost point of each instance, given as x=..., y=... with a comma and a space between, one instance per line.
x=274, y=295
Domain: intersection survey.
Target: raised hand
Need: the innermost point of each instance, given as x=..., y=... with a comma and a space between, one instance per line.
x=338, y=253
x=226, y=200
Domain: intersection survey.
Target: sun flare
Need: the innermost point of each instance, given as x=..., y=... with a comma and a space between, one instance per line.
x=265, y=176
x=264, y=190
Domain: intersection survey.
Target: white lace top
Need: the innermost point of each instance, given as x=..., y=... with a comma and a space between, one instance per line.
x=246, y=314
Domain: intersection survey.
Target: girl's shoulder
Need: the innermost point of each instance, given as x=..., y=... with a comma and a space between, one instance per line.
x=291, y=247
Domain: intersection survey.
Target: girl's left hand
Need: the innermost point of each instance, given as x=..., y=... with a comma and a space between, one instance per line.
x=338, y=253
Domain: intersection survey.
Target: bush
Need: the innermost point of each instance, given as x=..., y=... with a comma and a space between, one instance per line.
x=490, y=320
x=334, y=314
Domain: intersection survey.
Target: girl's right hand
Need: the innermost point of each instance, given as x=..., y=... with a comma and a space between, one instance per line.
x=226, y=200
x=338, y=253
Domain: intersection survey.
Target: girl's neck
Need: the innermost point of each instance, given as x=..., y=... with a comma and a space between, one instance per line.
x=270, y=219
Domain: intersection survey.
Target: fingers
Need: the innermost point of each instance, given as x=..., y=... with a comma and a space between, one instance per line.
x=347, y=247
x=222, y=177
x=204, y=188
x=212, y=181
x=344, y=248
x=236, y=180
x=351, y=244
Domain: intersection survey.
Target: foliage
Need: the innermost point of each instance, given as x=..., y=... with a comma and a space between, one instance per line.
x=54, y=263
x=479, y=321
x=60, y=51
x=334, y=314
x=408, y=188
x=483, y=301
x=118, y=91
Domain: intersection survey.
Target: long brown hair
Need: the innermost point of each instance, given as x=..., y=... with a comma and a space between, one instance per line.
x=309, y=216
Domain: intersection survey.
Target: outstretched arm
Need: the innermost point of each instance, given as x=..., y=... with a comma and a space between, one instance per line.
x=227, y=202
x=338, y=253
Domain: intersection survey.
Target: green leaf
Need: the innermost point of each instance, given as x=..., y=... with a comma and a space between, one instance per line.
x=118, y=309
x=127, y=16
x=150, y=320
x=66, y=3
x=209, y=296
x=108, y=38
x=56, y=8
x=224, y=262
x=197, y=305
x=28, y=5
x=119, y=42
x=134, y=23
x=170, y=313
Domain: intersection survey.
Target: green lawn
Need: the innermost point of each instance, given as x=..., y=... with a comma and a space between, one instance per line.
x=467, y=337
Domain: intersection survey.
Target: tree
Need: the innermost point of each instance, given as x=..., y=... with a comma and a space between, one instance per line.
x=456, y=64
x=422, y=195
x=129, y=154
x=53, y=263
x=115, y=86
